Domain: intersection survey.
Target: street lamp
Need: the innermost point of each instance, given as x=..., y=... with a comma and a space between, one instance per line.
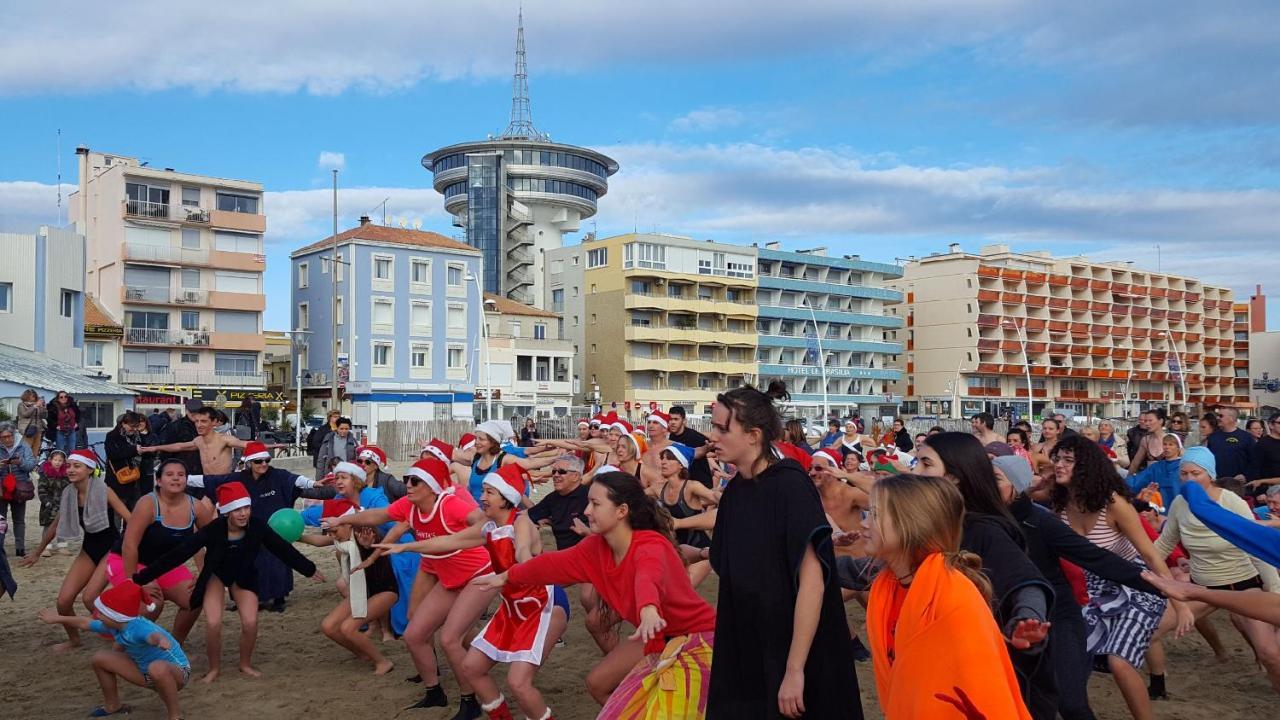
x=484, y=344
x=822, y=360
x=298, y=343
x=1026, y=365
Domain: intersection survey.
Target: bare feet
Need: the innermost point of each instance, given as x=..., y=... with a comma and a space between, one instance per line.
x=65, y=646
x=250, y=671
x=210, y=676
x=383, y=667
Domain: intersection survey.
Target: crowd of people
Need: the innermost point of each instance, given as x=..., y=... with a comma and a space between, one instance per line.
x=998, y=571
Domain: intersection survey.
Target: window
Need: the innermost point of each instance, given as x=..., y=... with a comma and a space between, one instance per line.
x=190, y=197
x=235, y=321
x=6, y=297
x=304, y=275
x=593, y=318
x=457, y=318
x=67, y=307
x=524, y=368
x=190, y=320
x=339, y=316
x=190, y=358
x=382, y=354
x=93, y=351
x=239, y=364
x=575, y=291
x=340, y=273
x=97, y=413
x=229, y=202
x=644, y=255
x=557, y=300
x=191, y=279
x=457, y=357
x=420, y=357
x=539, y=332
x=304, y=317
x=381, y=268
x=384, y=314
x=514, y=328
x=593, y=347
x=456, y=275
x=597, y=258
x=419, y=318
x=191, y=238
x=237, y=242
x=420, y=272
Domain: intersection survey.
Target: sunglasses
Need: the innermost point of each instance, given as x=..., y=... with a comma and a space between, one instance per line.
x=415, y=481
x=261, y=461
x=561, y=471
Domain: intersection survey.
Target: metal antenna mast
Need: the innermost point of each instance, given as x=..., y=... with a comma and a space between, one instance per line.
x=521, y=126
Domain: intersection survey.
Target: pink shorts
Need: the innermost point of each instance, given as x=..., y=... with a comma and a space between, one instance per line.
x=173, y=578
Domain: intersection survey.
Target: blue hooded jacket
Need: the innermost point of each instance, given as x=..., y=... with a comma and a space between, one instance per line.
x=1164, y=473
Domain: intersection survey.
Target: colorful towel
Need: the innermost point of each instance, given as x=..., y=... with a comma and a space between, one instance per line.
x=669, y=686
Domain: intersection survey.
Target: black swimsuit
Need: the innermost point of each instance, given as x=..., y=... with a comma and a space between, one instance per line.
x=159, y=538
x=680, y=509
x=97, y=544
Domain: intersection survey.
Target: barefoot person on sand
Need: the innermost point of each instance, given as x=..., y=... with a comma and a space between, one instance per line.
x=231, y=543
x=214, y=448
x=82, y=514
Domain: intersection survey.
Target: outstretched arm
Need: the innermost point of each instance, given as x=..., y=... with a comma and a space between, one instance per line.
x=472, y=536
x=51, y=617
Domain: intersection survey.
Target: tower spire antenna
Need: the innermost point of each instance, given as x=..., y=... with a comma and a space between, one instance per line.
x=521, y=125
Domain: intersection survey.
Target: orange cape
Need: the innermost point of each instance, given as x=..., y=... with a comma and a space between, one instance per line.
x=950, y=659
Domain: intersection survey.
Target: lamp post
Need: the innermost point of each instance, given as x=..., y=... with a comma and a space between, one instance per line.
x=822, y=360
x=298, y=341
x=333, y=301
x=484, y=344
x=1026, y=365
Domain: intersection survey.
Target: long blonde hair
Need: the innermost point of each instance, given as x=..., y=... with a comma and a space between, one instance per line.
x=928, y=515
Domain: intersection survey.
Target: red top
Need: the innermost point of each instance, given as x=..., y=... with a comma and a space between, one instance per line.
x=447, y=517
x=650, y=574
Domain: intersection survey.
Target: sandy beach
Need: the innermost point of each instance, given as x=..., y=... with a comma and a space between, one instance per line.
x=305, y=675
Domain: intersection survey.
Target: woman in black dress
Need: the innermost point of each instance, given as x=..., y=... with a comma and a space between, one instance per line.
x=782, y=642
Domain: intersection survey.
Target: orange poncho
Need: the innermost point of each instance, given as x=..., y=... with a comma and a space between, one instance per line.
x=948, y=657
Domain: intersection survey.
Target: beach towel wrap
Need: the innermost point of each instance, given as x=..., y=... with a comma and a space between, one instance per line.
x=357, y=590
x=95, y=510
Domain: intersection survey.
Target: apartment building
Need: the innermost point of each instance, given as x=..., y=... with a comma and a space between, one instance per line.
x=825, y=331
x=526, y=363
x=178, y=258
x=664, y=319
x=399, y=311
x=1103, y=339
x=103, y=340
x=42, y=293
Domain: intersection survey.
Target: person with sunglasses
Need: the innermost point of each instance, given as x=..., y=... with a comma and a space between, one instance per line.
x=270, y=489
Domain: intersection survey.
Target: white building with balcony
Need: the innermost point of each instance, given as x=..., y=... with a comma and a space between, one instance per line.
x=178, y=259
x=529, y=369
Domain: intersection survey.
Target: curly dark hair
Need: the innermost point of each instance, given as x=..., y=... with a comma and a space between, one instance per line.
x=1093, y=479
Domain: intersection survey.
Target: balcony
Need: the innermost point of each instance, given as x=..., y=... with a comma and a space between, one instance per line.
x=1059, y=303
x=1059, y=280
x=653, y=301
x=213, y=378
x=237, y=341
x=174, y=338
x=240, y=221
x=988, y=296
x=726, y=366
x=652, y=333
x=141, y=209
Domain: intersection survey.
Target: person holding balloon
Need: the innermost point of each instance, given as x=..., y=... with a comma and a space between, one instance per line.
x=270, y=490
x=233, y=543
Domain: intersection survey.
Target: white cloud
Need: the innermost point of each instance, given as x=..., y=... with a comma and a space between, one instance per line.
x=705, y=119
x=1131, y=62
x=330, y=160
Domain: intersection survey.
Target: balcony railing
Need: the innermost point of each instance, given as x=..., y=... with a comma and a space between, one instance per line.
x=144, y=293
x=164, y=211
x=165, y=376
x=150, y=336
x=165, y=254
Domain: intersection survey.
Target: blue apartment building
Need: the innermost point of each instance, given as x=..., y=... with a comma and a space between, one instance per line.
x=408, y=323
x=825, y=316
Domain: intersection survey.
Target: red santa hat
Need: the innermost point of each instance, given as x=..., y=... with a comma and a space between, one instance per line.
x=336, y=508
x=621, y=426
x=467, y=441
x=351, y=469
x=596, y=420
x=787, y=450
x=584, y=423
x=123, y=603
x=232, y=496
x=84, y=457
x=374, y=453
x=433, y=472
x=833, y=456
x=440, y=449
x=660, y=417
x=254, y=450
x=510, y=481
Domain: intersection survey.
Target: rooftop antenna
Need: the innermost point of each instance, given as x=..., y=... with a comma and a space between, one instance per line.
x=521, y=125
x=59, y=177
x=384, y=209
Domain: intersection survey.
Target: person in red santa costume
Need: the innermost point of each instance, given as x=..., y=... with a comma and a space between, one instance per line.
x=530, y=619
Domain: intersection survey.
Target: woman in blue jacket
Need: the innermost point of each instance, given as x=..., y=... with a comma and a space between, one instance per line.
x=1163, y=474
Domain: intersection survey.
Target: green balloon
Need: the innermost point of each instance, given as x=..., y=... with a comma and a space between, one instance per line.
x=287, y=523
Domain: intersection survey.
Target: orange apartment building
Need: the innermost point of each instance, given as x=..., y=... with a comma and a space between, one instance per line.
x=1098, y=339
x=179, y=259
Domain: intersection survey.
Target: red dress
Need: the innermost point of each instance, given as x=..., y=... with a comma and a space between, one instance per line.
x=517, y=632
x=448, y=516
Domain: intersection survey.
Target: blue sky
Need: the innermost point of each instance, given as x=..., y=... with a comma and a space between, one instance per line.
x=888, y=128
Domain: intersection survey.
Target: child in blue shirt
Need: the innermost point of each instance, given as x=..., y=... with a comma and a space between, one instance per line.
x=150, y=658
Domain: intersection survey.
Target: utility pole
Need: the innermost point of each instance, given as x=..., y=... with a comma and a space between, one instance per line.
x=333, y=301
